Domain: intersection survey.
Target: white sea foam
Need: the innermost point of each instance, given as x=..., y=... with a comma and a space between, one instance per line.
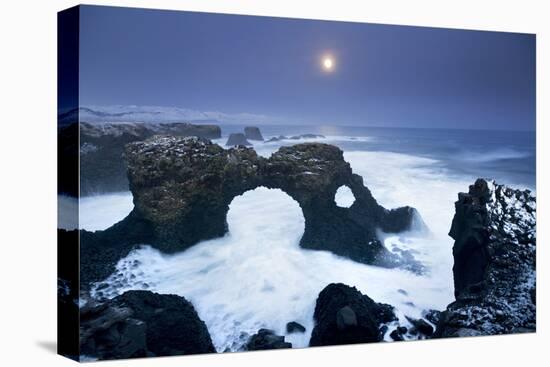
x=102, y=211
x=258, y=276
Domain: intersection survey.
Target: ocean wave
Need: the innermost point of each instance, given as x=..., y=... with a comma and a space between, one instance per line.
x=492, y=155
x=99, y=212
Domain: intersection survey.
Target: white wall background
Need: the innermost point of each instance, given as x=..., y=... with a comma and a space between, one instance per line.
x=28, y=180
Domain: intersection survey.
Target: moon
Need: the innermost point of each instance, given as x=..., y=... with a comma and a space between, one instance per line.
x=328, y=63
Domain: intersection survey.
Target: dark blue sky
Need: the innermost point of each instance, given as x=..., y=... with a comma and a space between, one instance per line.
x=384, y=75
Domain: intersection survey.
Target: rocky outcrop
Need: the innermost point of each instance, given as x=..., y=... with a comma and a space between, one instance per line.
x=494, y=229
x=182, y=189
x=266, y=339
x=102, y=166
x=237, y=139
x=294, y=327
x=140, y=324
x=253, y=133
x=345, y=316
x=398, y=333
x=421, y=326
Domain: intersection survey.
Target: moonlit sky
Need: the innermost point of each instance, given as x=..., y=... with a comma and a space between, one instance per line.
x=392, y=76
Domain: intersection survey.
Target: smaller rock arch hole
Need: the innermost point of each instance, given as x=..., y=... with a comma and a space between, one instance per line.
x=344, y=197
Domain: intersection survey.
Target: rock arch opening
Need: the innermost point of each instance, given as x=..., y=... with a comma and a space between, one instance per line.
x=262, y=215
x=344, y=197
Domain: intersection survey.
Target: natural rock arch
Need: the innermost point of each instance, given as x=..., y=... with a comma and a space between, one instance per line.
x=182, y=189
x=265, y=217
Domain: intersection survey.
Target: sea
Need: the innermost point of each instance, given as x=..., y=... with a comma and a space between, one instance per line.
x=257, y=276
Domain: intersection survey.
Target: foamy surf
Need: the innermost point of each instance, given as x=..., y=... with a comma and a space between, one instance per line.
x=99, y=212
x=257, y=276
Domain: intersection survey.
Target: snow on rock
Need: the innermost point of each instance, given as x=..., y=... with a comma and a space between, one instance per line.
x=494, y=228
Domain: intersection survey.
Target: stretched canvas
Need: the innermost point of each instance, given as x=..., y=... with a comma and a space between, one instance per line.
x=234, y=183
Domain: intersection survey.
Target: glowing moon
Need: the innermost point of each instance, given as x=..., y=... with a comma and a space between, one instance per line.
x=328, y=63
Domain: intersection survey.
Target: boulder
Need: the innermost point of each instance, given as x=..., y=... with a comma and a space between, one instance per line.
x=110, y=332
x=422, y=326
x=173, y=325
x=294, y=327
x=345, y=316
x=494, y=270
x=397, y=335
x=432, y=316
x=266, y=339
x=253, y=133
x=237, y=139
x=182, y=188
x=142, y=323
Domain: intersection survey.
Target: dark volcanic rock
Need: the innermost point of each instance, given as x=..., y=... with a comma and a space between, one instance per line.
x=253, y=133
x=110, y=332
x=432, y=316
x=494, y=228
x=142, y=323
x=101, y=250
x=345, y=316
x=182, y=189
x=173, y=326
x=421, y=326
x=294, y=327
x=266, y=339
x=276, y=138
x=397, y=335
x=102, y=165
x=236, y=139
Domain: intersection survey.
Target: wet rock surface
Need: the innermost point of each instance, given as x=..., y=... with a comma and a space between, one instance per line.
x=345, y=316
x=142, y=323
x=294, y=327
x=494, y=229
x=182, y=189
x=398, y=333
x=421, y=326
x=266, y=339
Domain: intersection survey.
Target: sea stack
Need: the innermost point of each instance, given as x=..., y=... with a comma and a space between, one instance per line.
x=494, y=270
x=253, y=133
x=237, y=139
